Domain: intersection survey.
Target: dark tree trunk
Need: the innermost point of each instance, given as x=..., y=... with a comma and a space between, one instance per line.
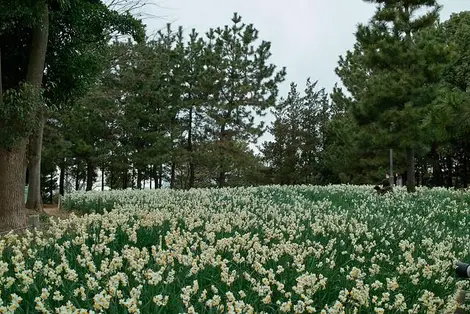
x=12, y=179
x=133, y=179
x=62, y=178
x=221, y=179
x=34, y=76
x=449, y=164
x=90, y=175
x=139, y=179
x=125, y=180
x=410, y=162
x=1, y=84
x=111, y=178
x=66, y=177
x=190, y=149
x=465, y=171
x=172, y=175
x=160, y=177
x=34, y=166
x=51, y=188
x=222, y=173
x=192, y=174
x=102, y=178
x=77, y=178
x=436, y=167
x=13, y=161
x=183, y=183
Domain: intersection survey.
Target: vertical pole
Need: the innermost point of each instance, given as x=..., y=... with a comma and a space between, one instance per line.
x=391, y=168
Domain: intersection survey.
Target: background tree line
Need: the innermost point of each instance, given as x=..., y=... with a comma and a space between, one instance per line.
x=178, y=109
x=181, y=110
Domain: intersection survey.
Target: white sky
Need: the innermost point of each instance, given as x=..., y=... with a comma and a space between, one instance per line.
x=307, y=36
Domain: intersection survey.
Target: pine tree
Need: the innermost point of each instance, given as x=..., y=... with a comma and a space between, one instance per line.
x=299, y=129
x=283, y=155
x=450, y=116
x=391, y=75
x=244, y=83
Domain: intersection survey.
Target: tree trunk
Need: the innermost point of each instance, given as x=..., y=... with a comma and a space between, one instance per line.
x=410, y=162
x=102, y=178
x=66, y=178
x=111, y=177
x=192, y=174
x=13, y=161
x=465, y=171
x=172, y=175
x=160, y=177
x=1, y=84
x=436, y=168
x=139, y=179
x=90, y=175
x=222, y=178
x=34, y=77
x=449, y=164
x=38, y=50
x=125, y=180
x=62, y=178
x=77, y=177
x=34, y=166
x=51, y=188
x=190, y=150
x=133, y=179
x=222, y=174
x=12, y=179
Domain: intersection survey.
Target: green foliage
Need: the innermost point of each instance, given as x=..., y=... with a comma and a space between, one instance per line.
x=397, y=68
x=78, y=35
x=18, y=112
x=164, y=104
x=299, y=136
x=448, y=119
x=78, y=42
x=243, y=82
x=11, y=16
x=181, y=108
x=393, y=76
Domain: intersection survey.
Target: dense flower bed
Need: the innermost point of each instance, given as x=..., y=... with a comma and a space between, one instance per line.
x=306, y=249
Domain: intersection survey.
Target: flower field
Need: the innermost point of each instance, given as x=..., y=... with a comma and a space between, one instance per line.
x=305, y=249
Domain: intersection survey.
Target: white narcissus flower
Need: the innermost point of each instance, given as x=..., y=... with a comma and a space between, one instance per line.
x=279, y=246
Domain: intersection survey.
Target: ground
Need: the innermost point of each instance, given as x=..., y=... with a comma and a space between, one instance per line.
x=53, y=210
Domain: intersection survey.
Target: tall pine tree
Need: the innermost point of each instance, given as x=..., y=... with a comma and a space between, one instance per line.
x=244, y=83
x=399, y=68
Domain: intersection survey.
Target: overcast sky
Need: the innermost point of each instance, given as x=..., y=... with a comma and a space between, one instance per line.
x=307, y=36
